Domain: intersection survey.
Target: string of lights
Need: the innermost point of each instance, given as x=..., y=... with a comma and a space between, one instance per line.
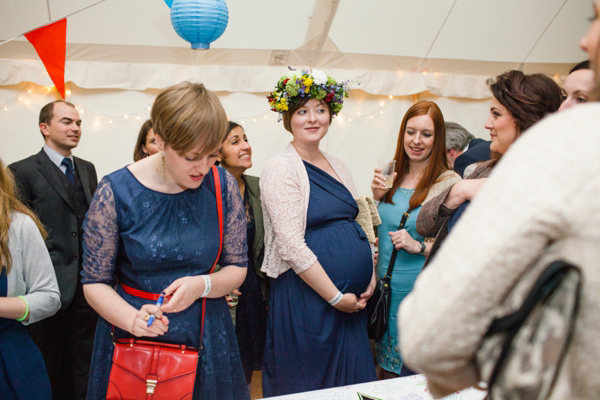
x=31, y=89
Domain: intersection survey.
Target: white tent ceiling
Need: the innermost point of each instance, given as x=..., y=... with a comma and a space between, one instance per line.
x=120, y=52
x=386, y=44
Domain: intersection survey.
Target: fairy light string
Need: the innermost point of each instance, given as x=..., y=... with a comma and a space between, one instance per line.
x=31, y=89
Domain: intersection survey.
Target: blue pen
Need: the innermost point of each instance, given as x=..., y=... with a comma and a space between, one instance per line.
x=159, y=302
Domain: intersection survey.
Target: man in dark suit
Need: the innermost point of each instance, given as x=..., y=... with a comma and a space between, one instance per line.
x=463, y=149
x=59, y=188
x=479, y=150
x=457, y=140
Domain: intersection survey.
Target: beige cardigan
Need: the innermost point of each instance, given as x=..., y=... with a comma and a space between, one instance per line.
x=284, y=193
x=541, y=203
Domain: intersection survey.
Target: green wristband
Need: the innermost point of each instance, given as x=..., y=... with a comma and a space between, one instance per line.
x=26, y=309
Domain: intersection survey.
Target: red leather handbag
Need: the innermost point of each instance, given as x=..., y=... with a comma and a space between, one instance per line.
x=149, y=370
x=157, y=371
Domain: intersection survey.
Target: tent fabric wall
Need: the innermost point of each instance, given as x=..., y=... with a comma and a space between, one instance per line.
x=354, y=136
x=120, y=54
x=138, y=76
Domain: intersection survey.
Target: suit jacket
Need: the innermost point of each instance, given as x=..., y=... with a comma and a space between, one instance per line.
x=433, y=216
x=42, y=188
x=479, y=150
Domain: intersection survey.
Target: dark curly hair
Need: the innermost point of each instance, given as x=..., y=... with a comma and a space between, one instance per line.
x=528, y=98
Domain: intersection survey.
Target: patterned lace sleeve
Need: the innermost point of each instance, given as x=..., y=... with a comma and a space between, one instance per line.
x=100, y=237
x=235, y=248
x=284, y=211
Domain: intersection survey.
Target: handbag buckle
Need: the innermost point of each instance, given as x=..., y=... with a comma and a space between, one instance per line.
x=150, y=385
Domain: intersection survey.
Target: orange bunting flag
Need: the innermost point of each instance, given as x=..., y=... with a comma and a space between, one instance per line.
x=50, y=43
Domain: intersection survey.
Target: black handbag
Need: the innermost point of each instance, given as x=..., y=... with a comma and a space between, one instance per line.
x=378, y=306
x=522, y=352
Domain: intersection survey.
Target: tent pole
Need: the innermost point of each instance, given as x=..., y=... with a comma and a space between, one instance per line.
x=323, y=26
x=48, y=7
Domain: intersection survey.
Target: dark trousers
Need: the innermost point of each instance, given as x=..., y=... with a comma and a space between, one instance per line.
x=66, y=341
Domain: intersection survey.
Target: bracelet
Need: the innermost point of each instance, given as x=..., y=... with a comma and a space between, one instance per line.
x=207, y=285
x=26, y=309
x=336, y=299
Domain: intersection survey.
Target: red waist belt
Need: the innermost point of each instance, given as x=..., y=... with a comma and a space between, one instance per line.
x=141, y=294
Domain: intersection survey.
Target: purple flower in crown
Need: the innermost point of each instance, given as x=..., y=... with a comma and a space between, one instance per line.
x=295, y=85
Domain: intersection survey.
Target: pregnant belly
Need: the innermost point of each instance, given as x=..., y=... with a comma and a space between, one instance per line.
x=344, y=252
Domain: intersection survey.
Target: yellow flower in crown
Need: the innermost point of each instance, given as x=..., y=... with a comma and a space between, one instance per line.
x=281, y=106
x=308, y=82
x=295, y=85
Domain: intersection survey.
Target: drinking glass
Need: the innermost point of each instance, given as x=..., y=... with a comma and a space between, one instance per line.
x=387, y=169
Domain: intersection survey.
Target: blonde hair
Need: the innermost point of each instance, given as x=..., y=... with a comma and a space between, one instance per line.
x=187, y=116
x=9, y=203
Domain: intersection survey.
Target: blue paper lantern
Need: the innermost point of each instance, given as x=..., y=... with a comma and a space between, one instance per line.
x=199, y=22
x=169, y=3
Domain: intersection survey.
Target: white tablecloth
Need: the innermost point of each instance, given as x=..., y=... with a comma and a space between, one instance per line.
x=407, y=388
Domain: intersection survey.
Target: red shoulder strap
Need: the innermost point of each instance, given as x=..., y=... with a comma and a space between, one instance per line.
x=218, y=194
x=219, y=198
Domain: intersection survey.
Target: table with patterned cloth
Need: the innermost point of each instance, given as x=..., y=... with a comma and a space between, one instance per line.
x=407, y=388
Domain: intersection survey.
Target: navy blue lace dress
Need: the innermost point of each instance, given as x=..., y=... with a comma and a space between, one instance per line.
x=310, y=345
x=147, y=239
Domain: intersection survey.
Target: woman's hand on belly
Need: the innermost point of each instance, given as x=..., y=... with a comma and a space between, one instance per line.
x=349, y=304
x=366, y=295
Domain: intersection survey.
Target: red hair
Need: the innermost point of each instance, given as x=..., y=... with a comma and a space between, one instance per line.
x=437, y=163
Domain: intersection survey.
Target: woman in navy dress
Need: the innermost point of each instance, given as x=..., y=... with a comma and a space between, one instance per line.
x=28, y=294
x=153, y=226
x=319, y=256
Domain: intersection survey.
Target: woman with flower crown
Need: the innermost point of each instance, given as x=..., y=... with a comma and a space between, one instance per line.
x=317, y=255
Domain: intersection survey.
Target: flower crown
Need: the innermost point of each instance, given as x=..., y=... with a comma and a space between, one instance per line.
x=318, y=86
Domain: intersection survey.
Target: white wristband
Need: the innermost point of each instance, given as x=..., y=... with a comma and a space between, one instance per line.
x=207, y=285
x=336, y=299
